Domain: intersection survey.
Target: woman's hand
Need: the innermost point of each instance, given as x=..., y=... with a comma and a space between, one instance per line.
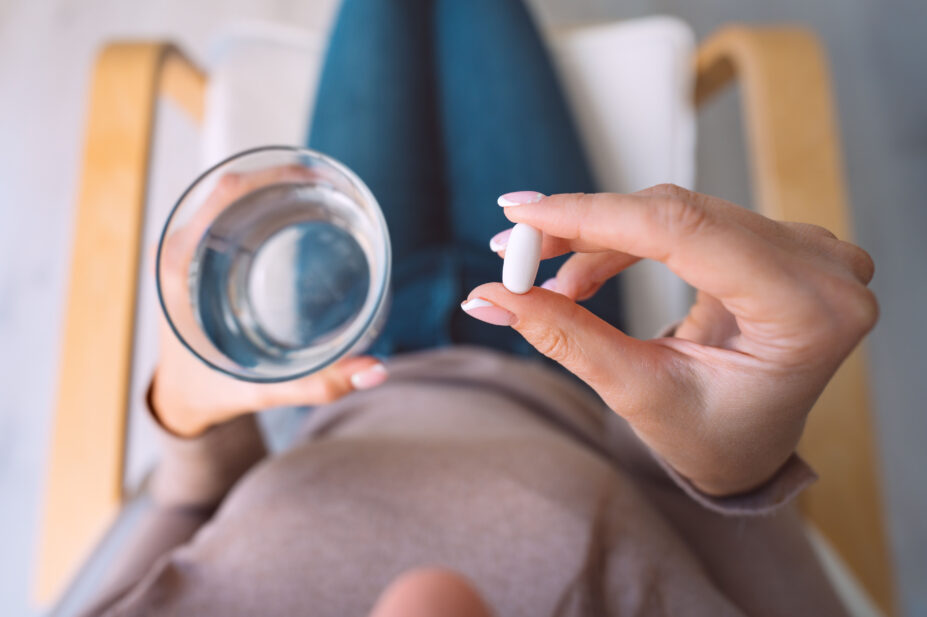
x=187, y=395
x=724, y=401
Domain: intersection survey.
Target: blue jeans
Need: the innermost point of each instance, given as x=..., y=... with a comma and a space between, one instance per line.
x=440, y=106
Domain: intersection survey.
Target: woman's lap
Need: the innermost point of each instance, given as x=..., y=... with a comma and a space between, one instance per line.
x=440, y=106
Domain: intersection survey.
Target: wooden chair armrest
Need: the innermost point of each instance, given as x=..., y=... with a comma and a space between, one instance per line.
x=85, y=476
x=792, y=132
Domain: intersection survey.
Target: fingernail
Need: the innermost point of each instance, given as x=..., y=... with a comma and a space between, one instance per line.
x=484, y=310
x=369, y=377
x=498, y=241
x=551, y=284
x=519, y=197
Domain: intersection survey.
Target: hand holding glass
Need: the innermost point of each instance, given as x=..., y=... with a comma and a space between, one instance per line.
x=274, y=264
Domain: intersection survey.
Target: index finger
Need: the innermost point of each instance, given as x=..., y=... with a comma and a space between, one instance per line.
x=709, y=250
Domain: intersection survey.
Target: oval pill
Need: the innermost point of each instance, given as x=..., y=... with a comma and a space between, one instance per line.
x=522, y=257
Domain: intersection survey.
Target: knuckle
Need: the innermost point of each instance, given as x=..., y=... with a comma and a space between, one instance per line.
x=852, y=306
x=817, y=230
x=668, y=189
x=585, y=201
x=553, y=342
x=173, y=260
x=228, y=183
x=810, y=230
x=227, y=188
x=172, y=247
x=570, y=208
x=863, y=309
x=860, y=262
x=330, y=391
x=682, y=217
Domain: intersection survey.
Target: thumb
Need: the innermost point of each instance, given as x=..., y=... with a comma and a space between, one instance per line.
x=618, y=367
x=327, y=385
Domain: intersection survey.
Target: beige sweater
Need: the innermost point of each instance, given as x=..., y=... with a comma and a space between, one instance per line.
x=495, y=467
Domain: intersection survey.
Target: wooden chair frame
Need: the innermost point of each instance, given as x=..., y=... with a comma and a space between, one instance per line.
x=789, y=117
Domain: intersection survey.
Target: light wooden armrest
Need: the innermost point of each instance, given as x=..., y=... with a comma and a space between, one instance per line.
x=792, y=132
x=85, y=475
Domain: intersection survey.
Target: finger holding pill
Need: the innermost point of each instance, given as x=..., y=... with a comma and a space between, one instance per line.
x=522, y=257
x=551, y=246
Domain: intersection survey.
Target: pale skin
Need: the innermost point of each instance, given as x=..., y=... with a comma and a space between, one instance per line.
x=724, y=400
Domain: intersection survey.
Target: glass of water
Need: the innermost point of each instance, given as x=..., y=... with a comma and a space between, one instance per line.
x=275, y=263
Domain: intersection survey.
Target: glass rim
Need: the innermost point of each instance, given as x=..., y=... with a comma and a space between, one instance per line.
x=382, y=287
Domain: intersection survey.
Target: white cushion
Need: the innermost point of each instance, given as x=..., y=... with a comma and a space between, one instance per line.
x=629, y=84
x=630, y=87
x=262, y=85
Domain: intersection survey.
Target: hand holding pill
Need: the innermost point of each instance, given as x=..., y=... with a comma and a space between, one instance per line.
x=723, y=400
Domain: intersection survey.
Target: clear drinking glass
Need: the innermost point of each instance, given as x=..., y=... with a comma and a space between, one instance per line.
x=275, y=263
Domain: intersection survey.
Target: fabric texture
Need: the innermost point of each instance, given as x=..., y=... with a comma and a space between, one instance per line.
x=440, y=106
x=496, y=467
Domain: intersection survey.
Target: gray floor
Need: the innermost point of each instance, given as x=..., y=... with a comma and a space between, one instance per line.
x=878, y=51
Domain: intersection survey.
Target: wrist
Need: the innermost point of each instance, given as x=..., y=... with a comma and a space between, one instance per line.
x=728, y=487
x=738, y=479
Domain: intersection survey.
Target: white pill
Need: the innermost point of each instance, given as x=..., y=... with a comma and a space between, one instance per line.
x=522, y=256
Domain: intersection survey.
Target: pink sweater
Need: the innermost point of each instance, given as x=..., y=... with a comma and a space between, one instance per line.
x=495, y=467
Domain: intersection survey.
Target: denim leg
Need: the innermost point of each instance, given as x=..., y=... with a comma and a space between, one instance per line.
x=375, y=111
x=506, y=127
x=505, y=121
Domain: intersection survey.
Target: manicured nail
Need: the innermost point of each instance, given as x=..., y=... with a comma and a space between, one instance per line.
x=498, y=241
x=551, y=284
x=484, y=310
x=519, y=197
x=369, y=377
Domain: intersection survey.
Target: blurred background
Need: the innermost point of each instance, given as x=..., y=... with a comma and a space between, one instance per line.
x=878, y=52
